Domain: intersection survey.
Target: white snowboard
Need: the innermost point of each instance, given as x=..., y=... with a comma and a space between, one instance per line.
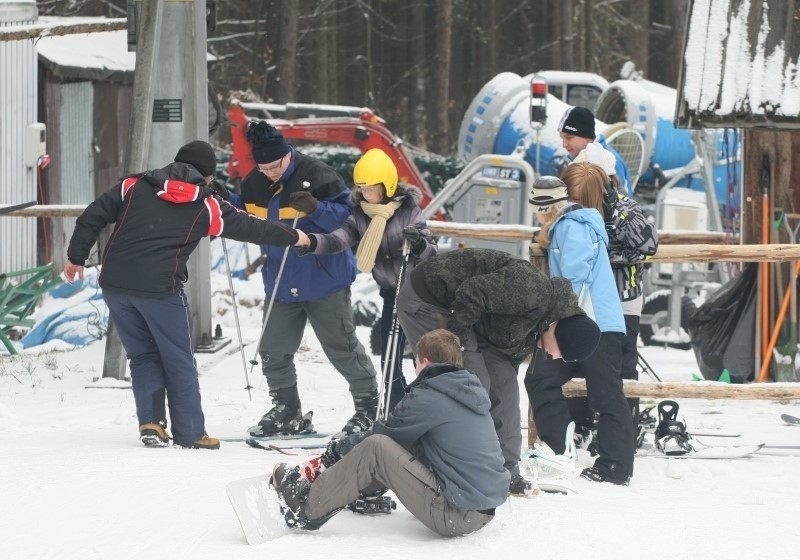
x=258, y=508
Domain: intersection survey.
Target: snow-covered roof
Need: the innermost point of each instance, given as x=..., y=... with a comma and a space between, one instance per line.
x=741, y=65
x=89, y=56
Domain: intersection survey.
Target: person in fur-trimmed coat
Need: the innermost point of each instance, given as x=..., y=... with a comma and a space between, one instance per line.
x=385, y=214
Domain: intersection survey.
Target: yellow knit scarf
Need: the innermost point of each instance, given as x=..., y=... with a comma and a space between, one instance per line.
x=371, y=241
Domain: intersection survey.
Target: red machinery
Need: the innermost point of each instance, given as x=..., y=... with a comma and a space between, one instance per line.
x=358, y=127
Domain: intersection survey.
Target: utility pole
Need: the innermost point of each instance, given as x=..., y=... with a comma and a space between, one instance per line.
x=169, y=109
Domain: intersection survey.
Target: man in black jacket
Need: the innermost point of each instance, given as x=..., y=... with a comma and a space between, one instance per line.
x=501, y=308
x=160, y=218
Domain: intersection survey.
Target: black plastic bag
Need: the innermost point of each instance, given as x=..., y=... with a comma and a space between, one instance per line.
x=723, y=329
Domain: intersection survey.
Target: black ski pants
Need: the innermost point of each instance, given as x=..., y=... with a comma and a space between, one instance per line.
x=601, y=370
x=579, y=409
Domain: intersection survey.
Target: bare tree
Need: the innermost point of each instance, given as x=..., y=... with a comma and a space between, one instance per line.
x=287, y=50
x=441, y=77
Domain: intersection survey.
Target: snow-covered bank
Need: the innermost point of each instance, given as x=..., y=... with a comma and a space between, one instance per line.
x=76, y=483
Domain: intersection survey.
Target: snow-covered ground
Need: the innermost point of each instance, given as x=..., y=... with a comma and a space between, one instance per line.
x=76, y=483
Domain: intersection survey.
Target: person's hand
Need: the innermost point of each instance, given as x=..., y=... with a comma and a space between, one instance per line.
x=220, y=190
x=70, y=270
x=303, y=241
x=303, y=201
x=415, y=237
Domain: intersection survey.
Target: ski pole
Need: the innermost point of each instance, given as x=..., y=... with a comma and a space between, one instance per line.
x=390, y=356
x=236, y=319
x=646, y=367
x=254, y=361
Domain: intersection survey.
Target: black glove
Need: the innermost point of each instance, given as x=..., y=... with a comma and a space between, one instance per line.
x=219, y=189
x=303, y=201
x=415, y=238
x=330, y=457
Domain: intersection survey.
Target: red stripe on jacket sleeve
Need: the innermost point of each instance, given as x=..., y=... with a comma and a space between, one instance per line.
x=215, y=223
x=127, y=184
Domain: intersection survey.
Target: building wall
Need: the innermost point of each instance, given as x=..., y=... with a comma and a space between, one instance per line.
x=17, y=181
x=76, y=118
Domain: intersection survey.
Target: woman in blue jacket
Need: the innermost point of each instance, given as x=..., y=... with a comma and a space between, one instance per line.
x=576, y=243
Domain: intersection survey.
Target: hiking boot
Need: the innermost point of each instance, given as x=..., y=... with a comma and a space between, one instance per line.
x=521, y=487
x=597, y=474
x=285, y=417
x=154, y=434
x=204, y=442
x=366, y=411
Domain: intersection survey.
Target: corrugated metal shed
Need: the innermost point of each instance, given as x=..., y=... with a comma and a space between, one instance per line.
x=77, y=161
x=17, y=111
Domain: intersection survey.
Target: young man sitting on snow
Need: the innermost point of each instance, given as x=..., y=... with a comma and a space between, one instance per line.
x=452, y=482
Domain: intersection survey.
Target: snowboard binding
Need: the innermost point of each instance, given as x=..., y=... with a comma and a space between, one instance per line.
x=646, y=423
x=671, y=437
x=544, y=464
x=373, y=504
x=304, y=427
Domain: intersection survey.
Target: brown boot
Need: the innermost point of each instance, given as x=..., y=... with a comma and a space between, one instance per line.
x=153, y=434
x=204, y=442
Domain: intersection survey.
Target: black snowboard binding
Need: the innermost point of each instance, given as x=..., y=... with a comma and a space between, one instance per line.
x=671, y=436
x=646, y=423
x=373, y=504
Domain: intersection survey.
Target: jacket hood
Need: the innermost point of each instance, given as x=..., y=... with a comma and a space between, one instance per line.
x=588, y=216
x=178, y=183
x=457, y=383
x=408, y=194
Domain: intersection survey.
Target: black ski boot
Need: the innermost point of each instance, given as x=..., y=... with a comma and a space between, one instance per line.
x=366, y=411
x=373, y=504
x=285, y=417
x=671, y=435
x=293, y=490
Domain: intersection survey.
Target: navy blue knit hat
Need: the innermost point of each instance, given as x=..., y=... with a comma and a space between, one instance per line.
x=577, y=337
x=267, y=142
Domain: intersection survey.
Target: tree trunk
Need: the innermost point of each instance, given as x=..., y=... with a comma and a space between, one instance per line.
x=441, y=76
x=287, y=51
x=419, y=74
x=638, y=37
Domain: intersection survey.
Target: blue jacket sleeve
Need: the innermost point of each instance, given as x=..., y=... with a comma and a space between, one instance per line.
x=578, y=252
x=236, y=200
x=332, y=212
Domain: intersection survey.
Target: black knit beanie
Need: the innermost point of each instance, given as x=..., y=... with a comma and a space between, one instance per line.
x=267, y=142
x=578, y=121
x=199, y=154
x=577, y=337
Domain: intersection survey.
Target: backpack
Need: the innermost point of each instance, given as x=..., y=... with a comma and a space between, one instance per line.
x=632, y=239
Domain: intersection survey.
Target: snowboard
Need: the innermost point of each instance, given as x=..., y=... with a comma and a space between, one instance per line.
x=285, y=446
x=257, y=508
x=790, y=420
x=709, y=452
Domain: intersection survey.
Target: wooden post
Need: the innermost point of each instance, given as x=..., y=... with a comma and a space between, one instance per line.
x=695, y=390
